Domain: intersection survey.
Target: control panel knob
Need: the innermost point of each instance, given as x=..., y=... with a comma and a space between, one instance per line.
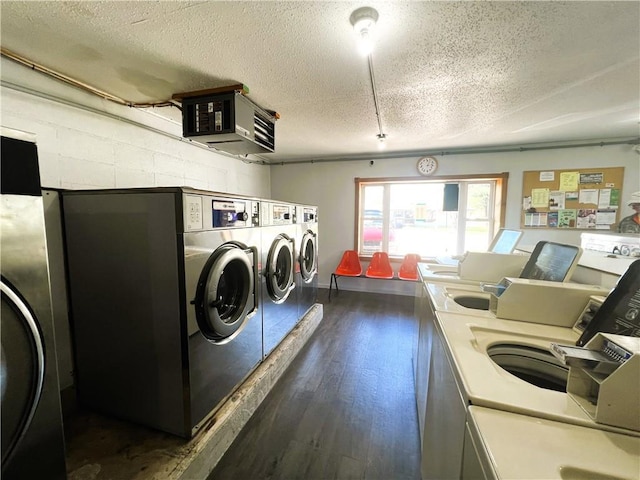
x=244, y=216
x=625, y=250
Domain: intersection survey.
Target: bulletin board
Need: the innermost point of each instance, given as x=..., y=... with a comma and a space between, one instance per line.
x=584, y=199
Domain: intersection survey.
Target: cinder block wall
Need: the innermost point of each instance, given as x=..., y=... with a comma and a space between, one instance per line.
x=86, y=142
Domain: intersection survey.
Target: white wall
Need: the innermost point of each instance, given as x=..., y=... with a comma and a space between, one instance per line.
x=331, y=186
x=81, y=149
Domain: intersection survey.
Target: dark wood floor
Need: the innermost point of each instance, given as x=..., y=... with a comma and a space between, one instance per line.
x=345, y=408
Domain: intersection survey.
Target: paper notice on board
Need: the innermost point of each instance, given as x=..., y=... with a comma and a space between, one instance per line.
x=556, y=200
x=588, y=195
x=586, y=218
x=542, y=219
x=547, y=176
x=569, y=181
x=567, y=218
x=571, y=195
x=605, y=217
x=540, y=198
x=591, y=177
x=614, y=201
x=535, y=219
x=604, y=198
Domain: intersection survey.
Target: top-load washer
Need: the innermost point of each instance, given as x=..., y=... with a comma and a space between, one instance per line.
x=279, y=300
x=545, y=276
x=505, y=241
x=164, y=299
x=307, y=255
x=549, y=261
x=504, y=445
x=500, y=364
x=476, y=268
x=32, y=434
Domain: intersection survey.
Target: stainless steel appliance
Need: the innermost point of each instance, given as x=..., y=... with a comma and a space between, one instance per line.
x=307, y=255
x=229, y=122
x=279, y=300
x=32, y=435
x=164, y=301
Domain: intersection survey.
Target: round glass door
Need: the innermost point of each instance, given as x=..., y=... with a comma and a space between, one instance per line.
x=279, y=269
x=225, y=295
x=21, y=369
x=308, y=256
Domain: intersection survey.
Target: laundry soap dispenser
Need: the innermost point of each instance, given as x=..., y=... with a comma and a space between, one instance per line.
x=603, y=378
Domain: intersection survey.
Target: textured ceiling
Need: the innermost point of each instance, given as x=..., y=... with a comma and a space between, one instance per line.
x=448, y=74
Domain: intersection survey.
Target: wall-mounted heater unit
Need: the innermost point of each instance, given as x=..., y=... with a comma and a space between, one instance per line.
x=229, y=122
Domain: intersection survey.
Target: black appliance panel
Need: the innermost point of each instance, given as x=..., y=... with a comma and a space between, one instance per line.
x=620, y=311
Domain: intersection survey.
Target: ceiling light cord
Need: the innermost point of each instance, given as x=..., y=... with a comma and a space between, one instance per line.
x=364, y=21
x=374, y=90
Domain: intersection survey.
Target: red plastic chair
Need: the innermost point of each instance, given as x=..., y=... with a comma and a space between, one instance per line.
x=349, y=266
x=380, y=266
x=409, y=267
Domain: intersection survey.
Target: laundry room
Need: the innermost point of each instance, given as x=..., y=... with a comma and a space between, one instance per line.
x=183, y=183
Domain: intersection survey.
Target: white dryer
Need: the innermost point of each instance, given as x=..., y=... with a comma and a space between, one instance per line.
x=164, y=293
x=279, y=295
x=307, y=255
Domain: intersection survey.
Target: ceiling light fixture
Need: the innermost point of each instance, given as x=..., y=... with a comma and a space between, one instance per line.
x=364, y=22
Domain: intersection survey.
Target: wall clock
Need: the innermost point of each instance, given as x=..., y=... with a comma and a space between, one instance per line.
x=427, y=165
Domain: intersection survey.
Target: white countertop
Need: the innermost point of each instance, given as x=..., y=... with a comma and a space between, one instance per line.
x=522, y=447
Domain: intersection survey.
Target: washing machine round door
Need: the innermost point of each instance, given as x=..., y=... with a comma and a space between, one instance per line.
x=225, y=295
x=308, y=256
x=279, y=269
x=22, y=368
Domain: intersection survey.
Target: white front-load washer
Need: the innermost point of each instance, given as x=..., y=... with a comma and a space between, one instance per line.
x=279, y=292
x=164, y=298
x=307, y=256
